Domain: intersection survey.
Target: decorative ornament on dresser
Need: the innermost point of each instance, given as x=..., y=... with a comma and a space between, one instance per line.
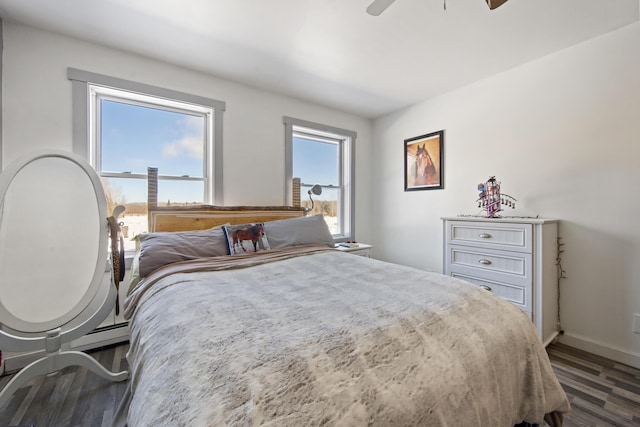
x=491, y=200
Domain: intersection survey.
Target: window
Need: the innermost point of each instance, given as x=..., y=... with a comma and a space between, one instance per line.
x=130, y=132
x=130, y=127
x=323, y=155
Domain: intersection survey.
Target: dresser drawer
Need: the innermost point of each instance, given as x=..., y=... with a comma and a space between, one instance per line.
x=503, y=236
x=515, y=257
x=502, y=266
x=518, y=295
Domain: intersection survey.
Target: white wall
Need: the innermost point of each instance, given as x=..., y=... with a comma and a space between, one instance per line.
x=562, y=134
x=37, y=112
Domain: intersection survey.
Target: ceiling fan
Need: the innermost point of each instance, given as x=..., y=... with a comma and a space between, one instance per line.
x=379, y=6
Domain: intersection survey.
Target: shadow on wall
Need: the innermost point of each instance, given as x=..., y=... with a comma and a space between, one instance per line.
x=599, y=294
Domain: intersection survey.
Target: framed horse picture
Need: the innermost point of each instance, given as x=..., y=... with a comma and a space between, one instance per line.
x=423, y=162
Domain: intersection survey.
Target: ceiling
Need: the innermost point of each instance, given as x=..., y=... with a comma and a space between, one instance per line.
x=331, y=52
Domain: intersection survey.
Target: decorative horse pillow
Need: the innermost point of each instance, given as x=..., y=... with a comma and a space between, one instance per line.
x=245, y=238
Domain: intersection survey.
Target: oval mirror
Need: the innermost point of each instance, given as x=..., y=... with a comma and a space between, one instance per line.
x=53, y=240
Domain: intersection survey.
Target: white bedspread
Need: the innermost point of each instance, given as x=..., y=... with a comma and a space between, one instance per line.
x=333, y=339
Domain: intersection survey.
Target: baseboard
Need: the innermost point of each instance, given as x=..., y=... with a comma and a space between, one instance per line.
x=102, y=337
x=601, y=349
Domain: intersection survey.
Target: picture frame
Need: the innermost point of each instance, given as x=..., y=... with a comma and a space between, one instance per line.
x=424, y=162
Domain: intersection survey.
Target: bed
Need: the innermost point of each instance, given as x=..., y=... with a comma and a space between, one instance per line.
x=291, y=332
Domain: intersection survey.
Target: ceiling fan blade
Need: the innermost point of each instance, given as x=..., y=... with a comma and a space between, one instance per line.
x=379, y=6
x=495, y=3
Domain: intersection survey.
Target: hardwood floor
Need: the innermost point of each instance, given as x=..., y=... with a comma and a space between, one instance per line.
x=602, y=392
x=72, y=397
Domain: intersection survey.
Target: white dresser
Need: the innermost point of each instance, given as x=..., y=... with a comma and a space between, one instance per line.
x=515, y=258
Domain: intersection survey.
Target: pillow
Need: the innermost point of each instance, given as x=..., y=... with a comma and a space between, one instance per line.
x=307, y=230
x=245, y=238
x=159, y=249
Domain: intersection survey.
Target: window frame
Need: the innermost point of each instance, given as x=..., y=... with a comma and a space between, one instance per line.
x=346, y=167
x=100, y=93
x=86, y=138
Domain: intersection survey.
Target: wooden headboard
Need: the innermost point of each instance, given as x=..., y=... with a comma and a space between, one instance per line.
x=202, y=217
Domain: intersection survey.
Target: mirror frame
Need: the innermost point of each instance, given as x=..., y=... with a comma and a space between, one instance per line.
x=8, y=319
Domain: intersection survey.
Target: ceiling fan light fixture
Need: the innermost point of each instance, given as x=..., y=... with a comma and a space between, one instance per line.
x=378, y=6
x=493, y=4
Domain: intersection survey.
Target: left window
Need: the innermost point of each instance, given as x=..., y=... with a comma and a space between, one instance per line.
x=129, y=129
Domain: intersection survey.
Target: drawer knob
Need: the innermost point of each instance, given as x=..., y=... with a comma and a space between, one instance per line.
x=484, y=261
x=486, y=288
x=484, y=235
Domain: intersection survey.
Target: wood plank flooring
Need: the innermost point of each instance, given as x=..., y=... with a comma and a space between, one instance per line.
x=72, y=397
x=602, y=392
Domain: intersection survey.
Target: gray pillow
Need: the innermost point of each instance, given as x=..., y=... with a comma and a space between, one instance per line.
x=159, y=249
x=307, y=230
